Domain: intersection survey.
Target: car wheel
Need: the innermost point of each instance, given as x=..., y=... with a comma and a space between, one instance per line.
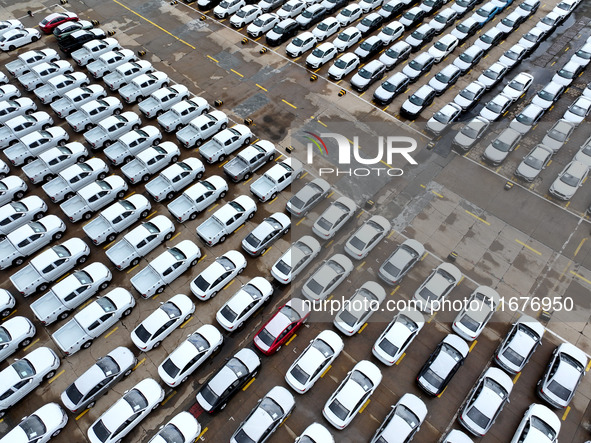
x=193, y=216
x=273, y=196
x=42, y=287
x=103, y=286
x=157, y=141
x=121, y=194
x=246, y=176
x=159, y=113
x=111, y=238
x=127, y=160
x=11, y=48
x=145, y=178
x=19, y=195
x=168, y=236
x=140, y=98
x=56, y=433
x=5, y=313
x=285, y=231
x=224, y=126
x=251, y=215
x=88, y=127
x=90, y=405
x=68, y=196
x=63, y=315
x=38, y=216
x=160, y=290
x=57, y=236
x=135, y=127
x=174, y=159
x=102, y=175
x=87, y=216
x=155, y=406
x=126, y=312
x=222, y=239
x=213, y=294
x=194, y=262
x=128, y=372
x=26, y=342
x=184, y=379
x=170, y=195
x=18, y=261
x=117, y=111
x=34, y=39
x=199, y=175
x=187, y=317
x=198, y=142
x=221, y=158
x=81, y=159
x=178, y=127
x=262, y=252
x=246, y=141
x=134, y=262
x=107, y=144
x=222, y=194
x=2, y=414
x=144, y=214
x=82, y=259
x=241, y=270
x=30, y=159
x=156, y=344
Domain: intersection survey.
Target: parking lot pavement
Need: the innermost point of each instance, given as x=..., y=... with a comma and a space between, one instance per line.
x=520, y=242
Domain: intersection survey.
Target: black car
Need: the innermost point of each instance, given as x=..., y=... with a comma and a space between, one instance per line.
x=224, y=383
x=370, y=23
x=283, y=31
x=442, y=365
x=370, y=47
x=75, y=40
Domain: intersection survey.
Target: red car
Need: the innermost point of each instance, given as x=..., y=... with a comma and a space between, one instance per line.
x=286, y=321
x=48, y=24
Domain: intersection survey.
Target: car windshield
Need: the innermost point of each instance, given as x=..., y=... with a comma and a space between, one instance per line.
x=566, y=73
x=228, y=313
x=177, y=254
x=543, y=427
x=416, y=100
x=546, y=95
x=418, y=35
x=136, y=400
x=33, y=427
x=278, y=29
x=531, y=37
x=442, y=117
x=338, y=409
x=533, y=161
x=441, y=46
x=548, y=20
x=468, y=58
x=344, y=36
x=224, y=4
x=106, y=304
x=307, y=14
x=323, y=26
x=407, y=415
x=494, y=106
x=389, y=31
x=4, y=337
x=511, y=55
x=501, y=145
x=299, y=374
x=468, y=94
x=108, y=365
x=569, y=179
x=171, y=310
x=142, y=333
x=318, y=53
x=361, y=380
x=171, y=434
x=390, y=87
x=518, y=86
x=443, y=78
x=525, y=119
x=392, y=53
x=583, y=54
x=388, y=347
x=170, y=368
x=258, y=22
x=577, y=110
x=266, y=337
x=74, y=394
x=472, y=130
x=441, y=18
x=417, y=66
x=508, y=22
x=493, y=75
x=487, y=38
x=463, y=28
x=365, y=73
x=241, y=13
x=557, y=134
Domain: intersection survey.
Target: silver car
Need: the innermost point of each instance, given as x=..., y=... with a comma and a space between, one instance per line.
x=327, y=277
x=295, y=259
x=479, y=309
x=401, y=261
x=308, y=197
x=533, y=163
x=334, y=217
x=266, y=233
x=367, y=237
x=437, y=286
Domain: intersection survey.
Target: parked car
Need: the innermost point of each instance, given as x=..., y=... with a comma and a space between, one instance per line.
x=53, y=161
x=569, y=180
x=197, y=197
x=24, y=375
x=486, y=401
x=68, y=28
x=401, y=261
x=311, y=15
x=391, y=88
x=225, y=143
x=24, y=62
x=295, y=259
x=442, y=365
x=71, y=292
x=262, y=24
x=17, y=213
x=359, y=308
x=466, y=29
x=548, y=95
x=226, y=220
x=490, y=38
x=423, y=34
x=15, y=38
x=201, y=128
x=282, y=326
x=244, y=303
x=58, y=85
x=132, y=143
x=368, y=74
x=321, y=55
x=165, y=268
x=412, y=17
x=276, y=179
x=183, y=428
x=249, y=160
x=495, y=108
x=513, y=56
x=578, y=111
x=94, y=197
x=14, y=108
x=367, y=236
x=479, y=309
x=470, y=95
x=327, y=277
x=370, y=23
x=12, y=187
x=93, y=320
x=224, y=383
x=45, y=423
x=345, y=40
x=127, y=412
x=72, y=100
x=527, y=119
x=491, y=76
x=124, y=73
x=397, y=337
x=517, y=87
x=291, y=9
x=519, y=345
x=162, y=322
x=469, y=58
x=93, y=112
x=85, y=390
x=403, y=421
x=9, y=92
x=93, y=49
x=437, y=286
x=246, y=15
x=533, y=163
x=266, y=233
x=77, y=39
x=189, y=355
x=142, y=86
x=308, y=197
x=162, y=100
x=445, y=17
x=150, y=161
x=301, y=44
x=353, y=392
x=395, y=54
x=74, y=178
x=558, y=135
x=53, y=20
x=174, y=178
x=442, y=119
x=418, y=66
x=107, y=62
x=218, y=274
x=540, y=423
x=15, y=333
x=32, y=145
x=349, y=14
x=111, y=128
x=182, y=113
x=532, y=38
x=17, y=127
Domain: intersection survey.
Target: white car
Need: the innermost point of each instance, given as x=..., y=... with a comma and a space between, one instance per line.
x=359, y=308
x=9, y=25
x=174, y=178
x=321, y=55
x=326, y=28
x=142, y=86
x=217, y=275
x=54, y=160
x=265, y=234
x=24, y=62
x=395, y=54
x=227, y=7
x=443, y=119
x=517, y=87
x=15, y=333
x=401, y=261
x=262, y=24
x=127, y=412
x=470, y=95
x=367, y=236
x=225, y=143
x=270, y=412
x=15, y=38
x=569, y=180
x=9, y=92
x=568, y=73
x=59, y=85
x=93, y=49
x=513, y=56
x=12, y=187
x=93, y=197
x=163, y=99
x=327, y=277
x=132, y=143
x=343, y=66
x=93, y=112
x=397, y=337
x=198, y=197
x=150, y=161
x=74, y=99
x=123, y=74
x=42, y=425
x=29, y=239
x=300, y=44
x=295, y=259
x=315, y=433
x=548, y=95
x=13, y=108
x=34, y=144
x=226, y=220
x=24, y=375
x=443, y=47
x=182, y=428
x=578, y=111
x=182, y=113
x=370, y=5
x=539, y=424
x=485, y=402
x=495, y=108
x=291, y=9
x=244, y=303
x=189, y=355
x=456, y=436
x=491, y=76
x=246, y=15
x=334, y=218
x=7, y=303
x=41, y=73
x=583, y=55
x=346, y=38
x=109, y=61
x=276, y=179
x=446, y=17
x=349, y=14
x=558, y=135
x=403, y=421
x=162, y=322
x=165, y=268
x=313, y=362
x=519, y=344
x=353, y=392
x=527, y=119
x=19, y=212
x=111, y=128
x=201, y=128
x=391, y=32
x=437, y=286
x=480, y=308
x=17, y=127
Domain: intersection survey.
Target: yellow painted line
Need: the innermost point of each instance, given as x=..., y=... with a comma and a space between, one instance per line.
x=516, y=377
x=259, y=86
x=359, y=215
x=477, y=218
x=277, y=159
x=154, y=24
x=202, y=432
x=129, y=195
x=105, y=247
x=461, y=280
x=588, y=366
x=172, y=394
x=580, y=245
x=111, y=332
x=11, y=314
x=228, y=285
x=360, y=266
x=296, y=59
x=248, y=180
x=528, y=247
x=133, y=268
x=237, y=73
x=567, y=204
x=439, y=396
x=273, y=200
x=211, y=58
x=302, y=219
x=400, y=359
x=330, y=195
x=331, y=296
x=472, y=345
x=55, y=377
x=329, y=243
x=239, y=228
x=213, y=207
x=385, y=108
x=437, y=194
x=149, y=216
x=565, y=413
x=326, y=370
x=248, y=384
x=424, y=256
x=365, y=405
x=187, y=321
x=202, y=258
x=289, y=104
x=432, y=317
x=306, y=173
x=572, y=272
x=423, y=186
x=139, y=363
x=27, y=347
x=258, y=38
x=391, y=233
x=291, y=339
x=82, y=415
x=362, y=328
x=62, y=277
x=323, y=124
x=175, y=236
x=395, y=290
x=219, y=166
